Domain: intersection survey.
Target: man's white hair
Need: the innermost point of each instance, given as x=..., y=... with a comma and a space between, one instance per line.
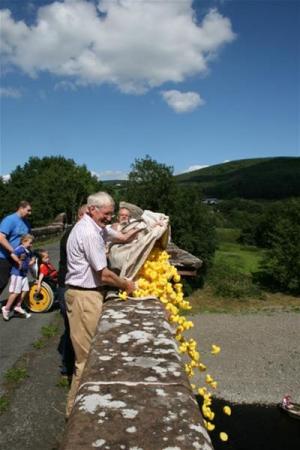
x=100, y=199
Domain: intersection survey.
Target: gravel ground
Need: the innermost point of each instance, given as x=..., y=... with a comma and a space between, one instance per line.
x=260, y=355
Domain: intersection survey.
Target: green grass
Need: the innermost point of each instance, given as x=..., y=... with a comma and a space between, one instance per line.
x=63, y=382
x=234, y=263
x=49, y=331
x=16, y=374
x=245, y=259
x=39, y=343
x=205, y=301
x=4, y=404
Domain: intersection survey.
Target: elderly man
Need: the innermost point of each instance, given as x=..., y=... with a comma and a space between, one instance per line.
x=12, y=228
x=123, y=219
x=87, y=273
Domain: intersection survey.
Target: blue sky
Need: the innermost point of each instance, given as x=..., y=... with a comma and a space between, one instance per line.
x=189, y=83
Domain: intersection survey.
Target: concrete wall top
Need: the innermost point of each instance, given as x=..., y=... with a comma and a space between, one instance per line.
x=134, y=393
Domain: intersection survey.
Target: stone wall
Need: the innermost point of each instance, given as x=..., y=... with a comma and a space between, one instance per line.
x=47, y=231
x=134, y=393
x=56, y=228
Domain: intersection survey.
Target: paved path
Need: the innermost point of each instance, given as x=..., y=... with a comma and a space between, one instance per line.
x=260, y=357
x=18, y=335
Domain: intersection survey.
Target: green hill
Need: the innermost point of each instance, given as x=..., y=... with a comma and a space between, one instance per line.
x=261, y=178
x=114, y=182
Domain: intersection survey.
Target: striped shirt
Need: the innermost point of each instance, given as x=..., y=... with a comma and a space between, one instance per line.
x=85, y=254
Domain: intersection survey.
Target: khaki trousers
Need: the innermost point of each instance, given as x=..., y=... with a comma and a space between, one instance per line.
x=84, y=310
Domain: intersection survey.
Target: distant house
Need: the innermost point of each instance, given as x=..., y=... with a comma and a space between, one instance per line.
x=211, y=201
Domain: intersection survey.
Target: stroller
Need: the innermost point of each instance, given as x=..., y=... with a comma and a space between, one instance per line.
x=42, y=301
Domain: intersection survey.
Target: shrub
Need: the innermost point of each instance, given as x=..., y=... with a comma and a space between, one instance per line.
x=227, y=281
x=282, y=260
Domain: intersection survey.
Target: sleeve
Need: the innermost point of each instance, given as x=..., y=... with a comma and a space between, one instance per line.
x=111, y=233
x=6, y=226
x=43, y=270
x=18, y=251
x=94, y=248
x=28, y=225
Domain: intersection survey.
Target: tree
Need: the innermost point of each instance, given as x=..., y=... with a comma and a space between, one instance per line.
x=282, y=261
x=193, y=224
x=151, y=185
x=3, y=193
x=53, y=185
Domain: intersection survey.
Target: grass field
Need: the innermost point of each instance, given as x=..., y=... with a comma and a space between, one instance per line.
x=244, y=258
x=204, y=301
x=229, y=251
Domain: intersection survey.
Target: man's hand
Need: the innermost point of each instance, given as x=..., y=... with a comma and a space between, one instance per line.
x=111, y=279
x=130, y=286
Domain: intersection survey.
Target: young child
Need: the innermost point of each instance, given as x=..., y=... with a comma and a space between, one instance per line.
x=47, y=271
x=19, y=286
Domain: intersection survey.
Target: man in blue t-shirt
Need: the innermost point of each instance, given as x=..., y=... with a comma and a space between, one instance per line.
x=12, y=228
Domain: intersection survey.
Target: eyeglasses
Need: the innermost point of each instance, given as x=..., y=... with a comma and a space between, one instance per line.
x=106, y=214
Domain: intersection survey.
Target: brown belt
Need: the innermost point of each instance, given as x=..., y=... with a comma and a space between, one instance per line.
x=80, y=288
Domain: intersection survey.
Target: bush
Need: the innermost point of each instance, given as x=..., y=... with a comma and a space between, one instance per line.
x=227, y=281
x=190, y=284
x=282, y=261
x=227, y=234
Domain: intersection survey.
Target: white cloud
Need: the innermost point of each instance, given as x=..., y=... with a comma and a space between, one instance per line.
x=10, y=92
x=192, y=168
x=135, y=45
x=196, y=167
x=65, y=86
x=111, y=175
x=5, y=178
x=182, y=102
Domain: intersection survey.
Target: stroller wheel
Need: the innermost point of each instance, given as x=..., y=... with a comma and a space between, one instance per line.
x=42, y=301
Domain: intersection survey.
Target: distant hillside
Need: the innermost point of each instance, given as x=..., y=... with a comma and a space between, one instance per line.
x=262, y=178
x=114, y=182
